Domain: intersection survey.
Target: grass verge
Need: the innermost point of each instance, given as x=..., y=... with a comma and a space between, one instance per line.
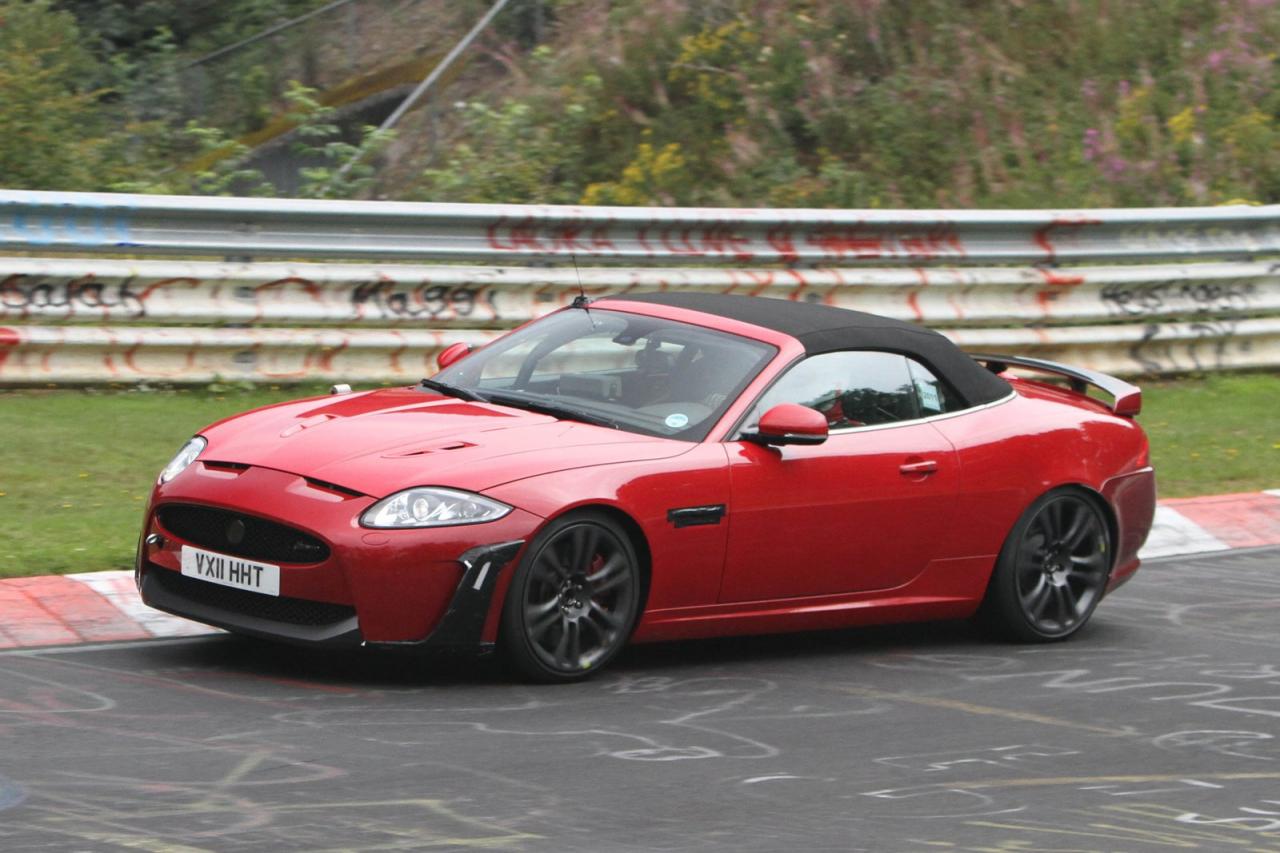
x=1215, y=434
x=76, y=467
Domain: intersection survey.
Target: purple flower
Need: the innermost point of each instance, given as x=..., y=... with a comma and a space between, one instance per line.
x=1115, y=166
x=1092, y=144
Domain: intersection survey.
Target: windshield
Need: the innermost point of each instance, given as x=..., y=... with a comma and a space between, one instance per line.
x=636, y=373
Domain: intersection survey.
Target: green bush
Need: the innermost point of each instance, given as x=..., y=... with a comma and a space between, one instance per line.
x=929, y=103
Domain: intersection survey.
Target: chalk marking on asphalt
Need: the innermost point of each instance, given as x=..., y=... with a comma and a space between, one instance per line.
x=143, y=678
x=104, y=703
x=981, y=710
x=777, y=777
x=243, y=769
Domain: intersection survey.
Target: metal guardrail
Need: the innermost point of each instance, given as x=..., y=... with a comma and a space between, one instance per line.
x=1212, y=299
x=111, y=290
x=88, y=355
x=189, y=225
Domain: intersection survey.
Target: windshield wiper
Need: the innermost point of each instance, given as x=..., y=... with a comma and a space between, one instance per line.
x=452, y=390
x=567, y=413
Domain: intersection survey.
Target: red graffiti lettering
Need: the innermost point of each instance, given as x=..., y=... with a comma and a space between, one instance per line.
x=938, y=242
x=495, y=242
x=783, y=243
x=9, y=339
x=760, y=279
x=861, y=242
x=1056, y=279
x=678, y=243
x=1044, y=235
x=846, y=242
x=565, y=238
x=521, y=236
x=600, y=241
x=1046, y=298
x=722, y=240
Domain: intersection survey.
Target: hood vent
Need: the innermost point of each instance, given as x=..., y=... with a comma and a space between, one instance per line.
x=451, y=444
x=332, y=487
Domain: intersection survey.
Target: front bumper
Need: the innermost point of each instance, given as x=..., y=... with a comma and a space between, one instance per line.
x=430, y=587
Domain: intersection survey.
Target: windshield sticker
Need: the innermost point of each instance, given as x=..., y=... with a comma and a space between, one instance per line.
x=929, y=396
x=679, y=420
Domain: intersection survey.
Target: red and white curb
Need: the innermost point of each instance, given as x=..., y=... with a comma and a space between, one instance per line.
x=1216, y=523
x=99, y=607
x=94, y=607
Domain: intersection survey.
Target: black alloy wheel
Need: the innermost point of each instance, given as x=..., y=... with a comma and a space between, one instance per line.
x=573, y=601
x=1053, y=569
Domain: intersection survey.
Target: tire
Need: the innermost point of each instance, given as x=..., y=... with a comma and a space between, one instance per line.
x=573, y=601
x=1052, y=570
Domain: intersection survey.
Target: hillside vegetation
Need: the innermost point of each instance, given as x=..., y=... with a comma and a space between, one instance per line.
x=824, y=103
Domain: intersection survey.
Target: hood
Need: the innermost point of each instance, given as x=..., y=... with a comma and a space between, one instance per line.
x=381, y=442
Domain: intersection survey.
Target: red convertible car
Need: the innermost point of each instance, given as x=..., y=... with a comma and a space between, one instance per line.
x=659, y=467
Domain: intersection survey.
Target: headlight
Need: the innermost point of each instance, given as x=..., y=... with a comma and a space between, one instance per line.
x=185, y=457
x=432, y=507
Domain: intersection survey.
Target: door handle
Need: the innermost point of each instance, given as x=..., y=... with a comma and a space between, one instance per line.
x=925, y=466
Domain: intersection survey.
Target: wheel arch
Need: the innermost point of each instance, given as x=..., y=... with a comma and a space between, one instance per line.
x=1094, y=496
x=635, y=533
x=995, y=607
x=1103, y=505
x=638, y=541
x=511, y=635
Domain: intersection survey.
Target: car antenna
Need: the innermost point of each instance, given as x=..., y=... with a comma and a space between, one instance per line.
x=581, y=300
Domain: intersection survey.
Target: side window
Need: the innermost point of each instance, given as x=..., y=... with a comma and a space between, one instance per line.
x=851, y=389
x=934, y=397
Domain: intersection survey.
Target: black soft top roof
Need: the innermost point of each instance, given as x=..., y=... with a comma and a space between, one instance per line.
x=823, y=328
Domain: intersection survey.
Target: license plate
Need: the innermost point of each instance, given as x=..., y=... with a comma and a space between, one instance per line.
x=230, y=571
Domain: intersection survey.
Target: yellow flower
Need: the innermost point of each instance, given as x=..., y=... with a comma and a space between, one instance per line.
x=1182, y=126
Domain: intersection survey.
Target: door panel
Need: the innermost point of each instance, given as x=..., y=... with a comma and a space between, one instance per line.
x=866, y=510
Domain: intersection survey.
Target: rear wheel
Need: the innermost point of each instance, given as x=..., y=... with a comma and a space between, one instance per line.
x=573, y=601
x=1052, y=570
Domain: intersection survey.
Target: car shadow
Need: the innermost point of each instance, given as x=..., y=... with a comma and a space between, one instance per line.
x=377, y=668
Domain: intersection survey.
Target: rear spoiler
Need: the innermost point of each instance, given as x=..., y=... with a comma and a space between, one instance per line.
x=1126, y=399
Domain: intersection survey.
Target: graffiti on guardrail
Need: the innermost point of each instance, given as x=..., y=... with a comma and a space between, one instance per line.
x=1197, y=346
x=78, y=354
x=22, y=294
x=467, y=296
x=1123, y=290
x=389, y=300
x=85, y=227
x=725, y=240
x=1191, y=298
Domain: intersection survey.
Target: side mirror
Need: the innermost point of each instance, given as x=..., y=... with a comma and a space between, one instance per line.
x=788, y=423
x=452, y=353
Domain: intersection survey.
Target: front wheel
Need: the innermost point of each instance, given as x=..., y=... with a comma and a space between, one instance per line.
x=1052, y=570
x=573, y=601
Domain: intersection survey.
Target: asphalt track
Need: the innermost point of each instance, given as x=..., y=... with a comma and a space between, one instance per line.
x=1156, y=729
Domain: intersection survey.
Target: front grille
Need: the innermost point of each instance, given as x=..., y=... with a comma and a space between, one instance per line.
x=241, y=535
x=295, y=611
